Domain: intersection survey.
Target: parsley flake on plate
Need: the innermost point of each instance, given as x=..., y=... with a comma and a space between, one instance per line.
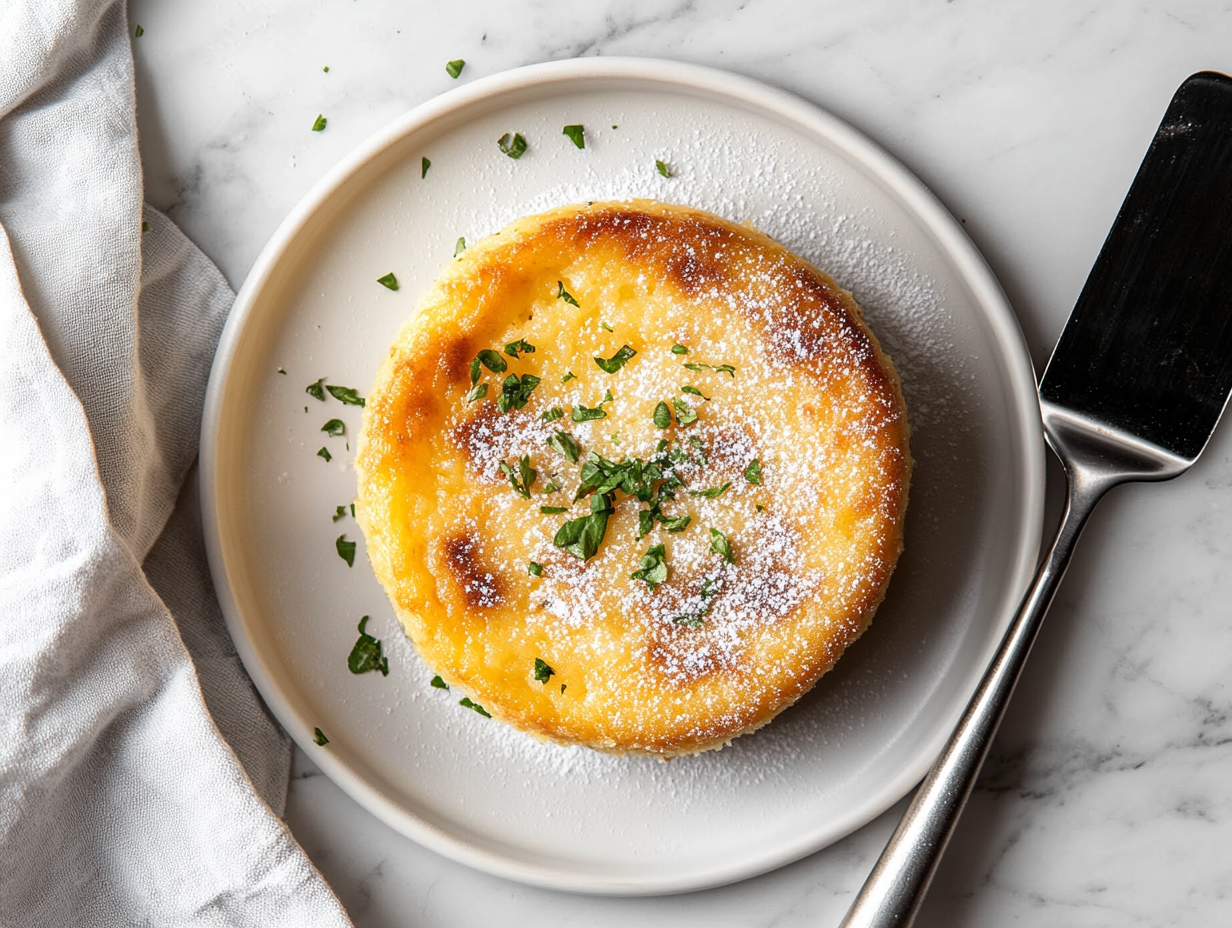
x=563, y=294
x=543, y=672
x=617, y=361
x=138, y=32
x=424, y=164
x=319, y=736
x=348, y=396
x=346, y=549
x=324, y=453
x=389, y=280
x=318, y=124
x=576, y=134
x=454, y=68
x=459, y=246
x=465, y=702
x=437, y=683
x=316, y=389
x=340, y=512
x=366, y=655
x=334, y=427
x=512, y=145
x=662, y=168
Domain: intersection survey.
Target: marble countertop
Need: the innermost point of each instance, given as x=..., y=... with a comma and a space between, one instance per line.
x=1106, y=798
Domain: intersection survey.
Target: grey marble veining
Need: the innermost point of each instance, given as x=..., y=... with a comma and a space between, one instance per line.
x=1108, y=796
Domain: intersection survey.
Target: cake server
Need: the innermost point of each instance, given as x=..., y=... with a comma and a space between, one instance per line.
x=1133, y=391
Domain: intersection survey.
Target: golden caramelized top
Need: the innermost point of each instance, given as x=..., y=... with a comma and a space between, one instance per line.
x=711, y=414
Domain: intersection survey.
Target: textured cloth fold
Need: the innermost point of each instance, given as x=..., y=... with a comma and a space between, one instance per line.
x=139, y=785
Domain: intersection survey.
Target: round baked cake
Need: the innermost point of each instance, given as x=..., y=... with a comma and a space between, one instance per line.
x=634, y=476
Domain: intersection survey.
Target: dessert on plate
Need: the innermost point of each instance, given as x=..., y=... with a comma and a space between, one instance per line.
x=634, y=476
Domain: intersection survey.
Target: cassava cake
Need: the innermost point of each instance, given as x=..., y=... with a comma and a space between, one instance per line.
x=634, y=476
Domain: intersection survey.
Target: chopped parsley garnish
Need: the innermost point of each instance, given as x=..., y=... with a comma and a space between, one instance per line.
x=614, y=438
x=317, y=735
x=569, y=375
x=553, y=510
x=389, y=280
x=281, y=370
x=492, y=361
x=543, y=672
x=424, y=164
x=145, y=227
x=525, y=471
x=685, y=414
x=713, y=492
x=334, y=427
x=605, y=327
x=324, y=453
x=582, y=537
x=512, y=145
x=317, y=389
x=652, y=567
x=550, y=488
x=689, y=388
x=617, y=361
x=459, y=246
x=521, y=344
x=676, y=525
x=662, y=416
x=348, y=396
x=679, y=349
x=477, y=393
x=752, y=473
x=515, y=392
x=586, y=414
x=346, y=549
x=563, y=294
x=454, y=68
x=551, y=415
x=720, y=545
x=340, y=512
x=438, y=683
x=563, y=685
x=697, y=619
x=535, y=570
x=325, y=69
x=475, y=371
x=466, y=703
x=662, y=168
x=564, y=444
x=761, y=508
x=366, y=655
x=720, y=369
x=138, y=33
x=352, y=510
x=318, y=124
x=576, y=135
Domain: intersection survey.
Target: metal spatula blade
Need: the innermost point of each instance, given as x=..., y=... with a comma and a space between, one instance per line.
x=1147, y=351
x=1134, y=389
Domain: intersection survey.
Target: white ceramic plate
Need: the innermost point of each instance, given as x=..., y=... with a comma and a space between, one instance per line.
x=466, y=786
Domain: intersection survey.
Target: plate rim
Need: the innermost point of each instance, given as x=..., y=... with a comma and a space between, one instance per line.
x=716, y=84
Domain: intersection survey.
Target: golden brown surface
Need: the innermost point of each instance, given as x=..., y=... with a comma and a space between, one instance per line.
x=812, y=398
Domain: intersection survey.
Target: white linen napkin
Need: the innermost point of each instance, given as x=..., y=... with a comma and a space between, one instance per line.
x=135, y=787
